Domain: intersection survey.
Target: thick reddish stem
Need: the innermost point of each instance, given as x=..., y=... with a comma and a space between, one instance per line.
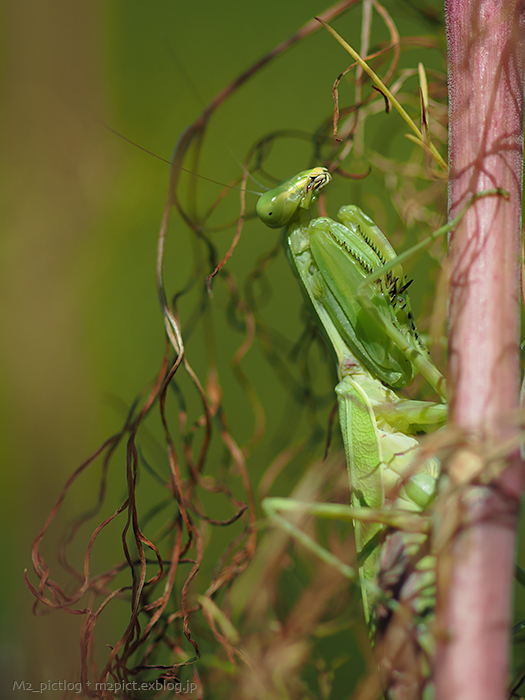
x=485, y=48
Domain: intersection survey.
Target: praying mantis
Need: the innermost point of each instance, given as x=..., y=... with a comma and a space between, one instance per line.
x=353, y=282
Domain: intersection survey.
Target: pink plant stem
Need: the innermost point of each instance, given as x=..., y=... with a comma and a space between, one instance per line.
x=475, y=565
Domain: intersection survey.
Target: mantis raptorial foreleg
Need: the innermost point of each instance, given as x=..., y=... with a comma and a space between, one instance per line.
x=352, y=279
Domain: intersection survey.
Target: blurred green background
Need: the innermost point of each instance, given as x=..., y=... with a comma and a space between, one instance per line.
x=81, y=209
x=82, y=330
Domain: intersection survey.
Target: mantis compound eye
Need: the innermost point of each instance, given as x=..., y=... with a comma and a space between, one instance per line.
x=275, y=208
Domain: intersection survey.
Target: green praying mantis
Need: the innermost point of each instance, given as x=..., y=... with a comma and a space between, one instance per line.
x=353, y=282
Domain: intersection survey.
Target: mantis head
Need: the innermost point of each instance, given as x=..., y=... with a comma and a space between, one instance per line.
x=278, y=207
